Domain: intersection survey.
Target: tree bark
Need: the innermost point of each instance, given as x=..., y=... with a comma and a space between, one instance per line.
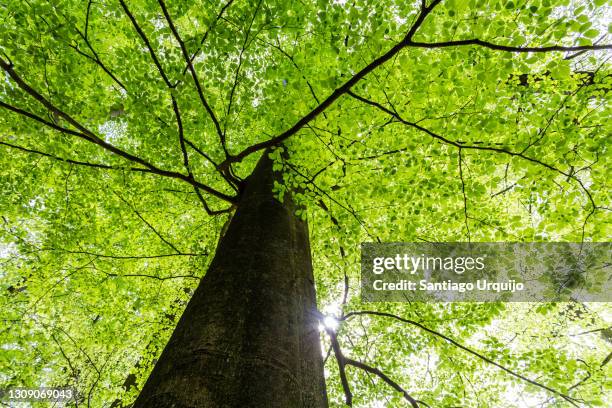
x=249, y=335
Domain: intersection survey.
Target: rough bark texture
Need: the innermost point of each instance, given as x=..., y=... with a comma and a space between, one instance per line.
x=249, y=336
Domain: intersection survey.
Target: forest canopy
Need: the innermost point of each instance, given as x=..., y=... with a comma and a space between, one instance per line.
x=128, y=129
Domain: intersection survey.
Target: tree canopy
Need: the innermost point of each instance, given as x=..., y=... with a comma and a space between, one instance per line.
x=128, y=129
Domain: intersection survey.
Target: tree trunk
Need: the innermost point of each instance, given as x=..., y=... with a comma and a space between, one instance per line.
x=249, y=336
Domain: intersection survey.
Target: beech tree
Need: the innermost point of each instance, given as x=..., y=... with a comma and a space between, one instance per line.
x=185, y=186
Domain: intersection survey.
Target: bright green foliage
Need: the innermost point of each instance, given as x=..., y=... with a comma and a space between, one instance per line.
x=453, y=143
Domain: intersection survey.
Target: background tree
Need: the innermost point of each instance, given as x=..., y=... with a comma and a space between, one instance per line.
x=129, y=129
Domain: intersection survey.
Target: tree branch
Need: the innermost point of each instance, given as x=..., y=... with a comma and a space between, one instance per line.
x=465, y=205
x=508, y=48
x=240, y=60
x=86, y=28
x=341, y=366
x=41, y=120
x=151, y=227
x=179, y=122
x=290, y=58
x=208, y=210
x=464, y=348
x=97, y=61
x=86, y=134
x=77, y=162
x=190, y=67
x=208, y=30
x=96, y=58
x=142, y=275
x=84, y=35
x=124, y=257
x=347, y=208
x=144, y=38
x=462, y=145
x=201, y=153
x=232, y=182
x=337, y=93
x=384, y=377
x=194, y=76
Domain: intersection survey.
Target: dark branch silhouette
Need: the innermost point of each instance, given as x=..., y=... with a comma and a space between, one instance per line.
x=144, y=38
x=508, y=48
x=464, y=348
x=406, y=42
x=194, y=75
x=275, y=141
x=71, y=161
x=86, y=134
x=461, y=145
